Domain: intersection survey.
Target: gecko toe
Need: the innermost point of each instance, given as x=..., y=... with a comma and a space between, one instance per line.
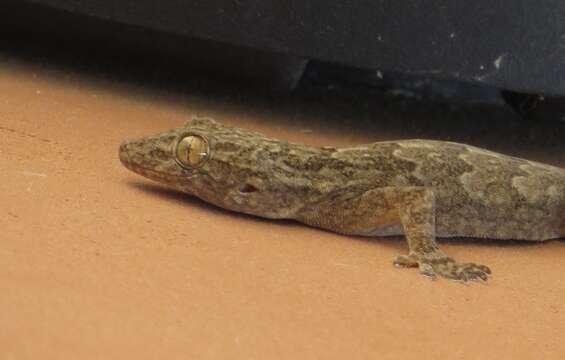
x=438, y=264
x=472, y=272
x=484, y=269
x=428, y=271
x=452, y=270
x=405, y=261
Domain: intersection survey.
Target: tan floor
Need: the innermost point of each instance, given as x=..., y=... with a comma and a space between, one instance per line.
x=97, y=262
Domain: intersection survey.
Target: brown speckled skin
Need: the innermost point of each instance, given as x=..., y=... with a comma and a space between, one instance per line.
x=419, y=188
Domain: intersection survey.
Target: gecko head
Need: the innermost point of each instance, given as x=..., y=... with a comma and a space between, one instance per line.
x=223, y=165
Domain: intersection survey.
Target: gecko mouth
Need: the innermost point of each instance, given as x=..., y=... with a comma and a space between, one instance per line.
x=153, y=174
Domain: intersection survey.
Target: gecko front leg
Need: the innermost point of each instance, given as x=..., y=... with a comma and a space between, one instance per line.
x=416, y=209
x=393, y=211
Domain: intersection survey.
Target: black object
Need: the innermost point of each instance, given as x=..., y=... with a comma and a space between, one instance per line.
x=511, y=44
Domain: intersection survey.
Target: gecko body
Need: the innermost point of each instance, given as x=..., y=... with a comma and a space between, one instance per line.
x=417, y=188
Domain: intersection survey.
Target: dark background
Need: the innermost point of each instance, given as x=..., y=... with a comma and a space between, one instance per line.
x=509, y=44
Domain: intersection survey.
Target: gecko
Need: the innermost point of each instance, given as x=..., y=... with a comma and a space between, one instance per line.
x=421, y=189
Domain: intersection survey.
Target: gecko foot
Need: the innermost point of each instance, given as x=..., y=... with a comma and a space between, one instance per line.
x=435, y=264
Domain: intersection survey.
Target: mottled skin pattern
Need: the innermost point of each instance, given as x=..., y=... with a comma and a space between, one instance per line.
x=419, y=188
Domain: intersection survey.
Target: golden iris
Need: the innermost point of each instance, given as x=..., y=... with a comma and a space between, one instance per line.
x=192, y=151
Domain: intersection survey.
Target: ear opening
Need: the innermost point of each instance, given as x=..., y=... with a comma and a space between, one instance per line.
x=248, y=188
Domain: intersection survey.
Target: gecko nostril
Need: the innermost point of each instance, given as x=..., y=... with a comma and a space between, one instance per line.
x=124, y=146
x=248, y=188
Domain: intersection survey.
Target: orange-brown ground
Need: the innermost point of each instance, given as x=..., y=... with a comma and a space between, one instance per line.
x=96, y=262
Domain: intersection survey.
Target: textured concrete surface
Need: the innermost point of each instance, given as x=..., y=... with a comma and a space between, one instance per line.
x=97, y=262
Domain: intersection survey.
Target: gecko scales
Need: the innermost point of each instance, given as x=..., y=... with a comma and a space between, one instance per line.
x=417, y=188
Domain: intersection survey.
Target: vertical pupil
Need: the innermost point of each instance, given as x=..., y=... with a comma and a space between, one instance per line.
x=187, y=151
x=192, y=150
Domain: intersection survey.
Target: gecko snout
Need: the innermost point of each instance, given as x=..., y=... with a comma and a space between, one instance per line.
x=128, y=154
x=123, y=152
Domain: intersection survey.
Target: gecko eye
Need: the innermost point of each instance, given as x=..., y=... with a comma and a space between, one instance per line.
x=192, y=151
